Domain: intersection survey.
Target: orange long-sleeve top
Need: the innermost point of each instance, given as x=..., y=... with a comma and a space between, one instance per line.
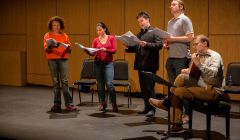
x=59, y=52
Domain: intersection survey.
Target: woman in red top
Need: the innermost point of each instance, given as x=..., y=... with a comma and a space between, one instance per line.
x=103, y=64
x=57, y=56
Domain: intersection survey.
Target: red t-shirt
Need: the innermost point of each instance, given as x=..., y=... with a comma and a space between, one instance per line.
x=59, y=52
x=110, y=45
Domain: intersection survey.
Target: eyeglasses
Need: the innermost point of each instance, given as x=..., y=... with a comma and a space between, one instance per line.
x=195, y=44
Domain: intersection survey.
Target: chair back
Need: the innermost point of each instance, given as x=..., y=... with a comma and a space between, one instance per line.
x=233, y=71
x=120, y=69
x=88, y=69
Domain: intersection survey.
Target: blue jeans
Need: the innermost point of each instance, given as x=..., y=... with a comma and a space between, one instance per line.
x=59, y=71
x=104, y=75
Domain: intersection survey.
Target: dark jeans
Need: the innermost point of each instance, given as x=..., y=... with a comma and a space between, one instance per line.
x=59, y=72
x=105, y=74
x=174, y=67
x=147, y=89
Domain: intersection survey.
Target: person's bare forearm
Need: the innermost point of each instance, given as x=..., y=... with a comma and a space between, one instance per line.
x=186, y=38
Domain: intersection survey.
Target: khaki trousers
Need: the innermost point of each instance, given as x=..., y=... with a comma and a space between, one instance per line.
x=189, y=89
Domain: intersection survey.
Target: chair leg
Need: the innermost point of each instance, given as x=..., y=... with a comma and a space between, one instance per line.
x=79, y=94
x=92, y=96
x=208, y=125
x=190, y=120
x=72, y=91
x=227, y=125
x=128, y=96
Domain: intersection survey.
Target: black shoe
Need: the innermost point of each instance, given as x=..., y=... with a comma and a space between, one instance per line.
x=150, y=113
x=145, y=111
x=177, y=128
x=56, y=108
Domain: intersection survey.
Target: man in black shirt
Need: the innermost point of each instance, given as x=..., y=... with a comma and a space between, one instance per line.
x=146, y=59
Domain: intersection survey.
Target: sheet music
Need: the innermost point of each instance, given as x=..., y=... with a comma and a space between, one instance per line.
x=90, y=50
x=161, y=33
x=129, y=39
x=63, y=44
x=52, y=42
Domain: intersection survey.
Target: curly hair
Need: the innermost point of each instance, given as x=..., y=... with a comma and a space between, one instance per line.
x=58, y=19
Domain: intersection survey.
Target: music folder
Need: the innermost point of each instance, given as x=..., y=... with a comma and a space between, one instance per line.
x=157, y=79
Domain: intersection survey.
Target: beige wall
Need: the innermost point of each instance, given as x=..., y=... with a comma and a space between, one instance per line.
x=24, y=22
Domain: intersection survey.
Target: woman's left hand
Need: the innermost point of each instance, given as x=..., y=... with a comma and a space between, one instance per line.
x=103, y=49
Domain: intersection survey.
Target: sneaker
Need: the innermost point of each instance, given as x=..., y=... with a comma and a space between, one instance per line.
x=144, y=111
x=56, y=108
x=71, y=108
x=185, y=119
x=158, y=104
x=177, y=128
x=150, y=113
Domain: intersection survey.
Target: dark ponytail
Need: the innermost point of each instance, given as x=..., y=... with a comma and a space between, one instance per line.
x=101, y=24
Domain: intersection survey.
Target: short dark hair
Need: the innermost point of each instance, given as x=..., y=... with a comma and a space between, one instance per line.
x=203, y=39
x=180, y=2
x=58, y=19
x=103, y=25
x=143, y=14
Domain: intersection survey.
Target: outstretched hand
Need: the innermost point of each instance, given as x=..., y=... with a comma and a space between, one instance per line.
x=142, y=43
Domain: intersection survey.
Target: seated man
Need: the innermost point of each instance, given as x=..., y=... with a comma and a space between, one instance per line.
x=191, y=84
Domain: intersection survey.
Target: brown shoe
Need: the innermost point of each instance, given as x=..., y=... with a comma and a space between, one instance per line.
x=177, y=128
x=103, y=106
x=158, y=104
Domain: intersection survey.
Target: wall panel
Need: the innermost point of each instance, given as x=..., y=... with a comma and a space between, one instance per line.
x=13, y=43
x=39, y=79
x=13, y=17
x=36, y=28
x=227, y=46
x=224, y=16
x=76, y=15
x=12, y=68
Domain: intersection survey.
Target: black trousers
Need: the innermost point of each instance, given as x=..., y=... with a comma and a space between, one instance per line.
x=147, y=89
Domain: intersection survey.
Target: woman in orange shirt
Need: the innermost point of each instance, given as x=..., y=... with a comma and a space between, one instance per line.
x=57, y=56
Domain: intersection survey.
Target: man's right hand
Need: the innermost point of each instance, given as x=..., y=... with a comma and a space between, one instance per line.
x=185, y=71
x=165, y=44
x=125, y=46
